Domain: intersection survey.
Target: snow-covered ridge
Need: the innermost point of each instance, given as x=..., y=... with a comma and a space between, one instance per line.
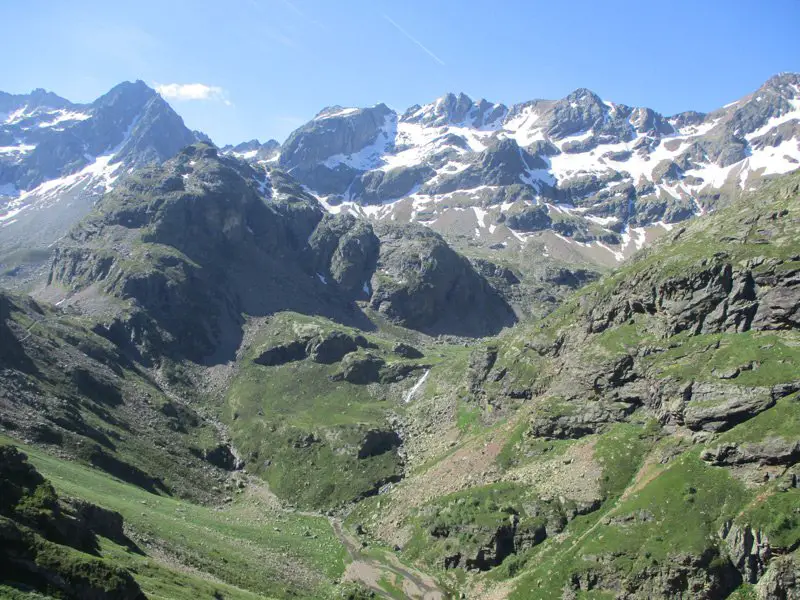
x=619, y=175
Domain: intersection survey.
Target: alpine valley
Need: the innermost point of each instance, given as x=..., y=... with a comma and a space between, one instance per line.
x=469, y=350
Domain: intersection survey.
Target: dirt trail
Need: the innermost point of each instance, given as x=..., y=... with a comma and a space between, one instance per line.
x=370, y=571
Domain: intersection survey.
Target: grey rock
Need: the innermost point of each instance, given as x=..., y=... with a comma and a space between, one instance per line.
x=532, y=218
x=781, y=580
x=749, y=550
x=421, y=282
x=773, y=451
x=329, y=135
x=345, y=250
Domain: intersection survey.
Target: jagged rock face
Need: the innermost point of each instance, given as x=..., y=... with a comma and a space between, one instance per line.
x=781, y=581
x=254, y=150
x=775, y=451
x=682, y=576
x=534, y=218
x=456, y=109
x=482, y=543
x=503, y=163
x=422, y=283
x=748, y=550
x=375, y=187
x=330, y=152
x=581, y=111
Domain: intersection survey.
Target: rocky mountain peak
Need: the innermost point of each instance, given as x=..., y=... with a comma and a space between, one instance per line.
x=787, y=84
x=455, y=109
x=44, y=98
x=580, y=111
x=77, y=151
x=343, y=132
x=126, y=93
x=584, y=96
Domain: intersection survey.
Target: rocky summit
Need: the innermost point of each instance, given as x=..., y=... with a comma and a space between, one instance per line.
x=547, y=351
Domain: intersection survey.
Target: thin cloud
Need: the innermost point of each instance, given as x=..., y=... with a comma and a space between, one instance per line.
x=193, y=91
x=294, y=8
x=277, y=31
x=415, y=40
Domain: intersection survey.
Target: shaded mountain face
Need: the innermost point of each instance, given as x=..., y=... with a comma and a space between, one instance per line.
x=608, y=168
x=57, y=158
x=175, y=255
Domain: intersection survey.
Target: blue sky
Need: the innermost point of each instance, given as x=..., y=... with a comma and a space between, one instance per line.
x=266, y=66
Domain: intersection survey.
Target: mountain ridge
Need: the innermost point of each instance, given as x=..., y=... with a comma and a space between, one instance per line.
x=605, y=164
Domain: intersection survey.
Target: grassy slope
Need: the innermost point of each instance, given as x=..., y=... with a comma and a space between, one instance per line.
x=269, y=409
x=687, y=501
x=245, y=550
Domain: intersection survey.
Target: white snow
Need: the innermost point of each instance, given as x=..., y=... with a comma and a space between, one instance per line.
x=701, y=129
x=634, y=235
x=480, y=214
x=99, y=173
x=245, y=155
x=61, y=116
x=522, y=129
x=17, y=115
x=20, y=149
x=339, y=113
x=776, y=159
x=602, y=221
x=322, y=279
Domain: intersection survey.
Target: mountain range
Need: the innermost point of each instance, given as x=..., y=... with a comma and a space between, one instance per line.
x=401, y=356
x=578, y=178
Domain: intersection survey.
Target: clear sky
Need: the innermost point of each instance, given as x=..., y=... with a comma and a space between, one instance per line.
x=266, y=66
